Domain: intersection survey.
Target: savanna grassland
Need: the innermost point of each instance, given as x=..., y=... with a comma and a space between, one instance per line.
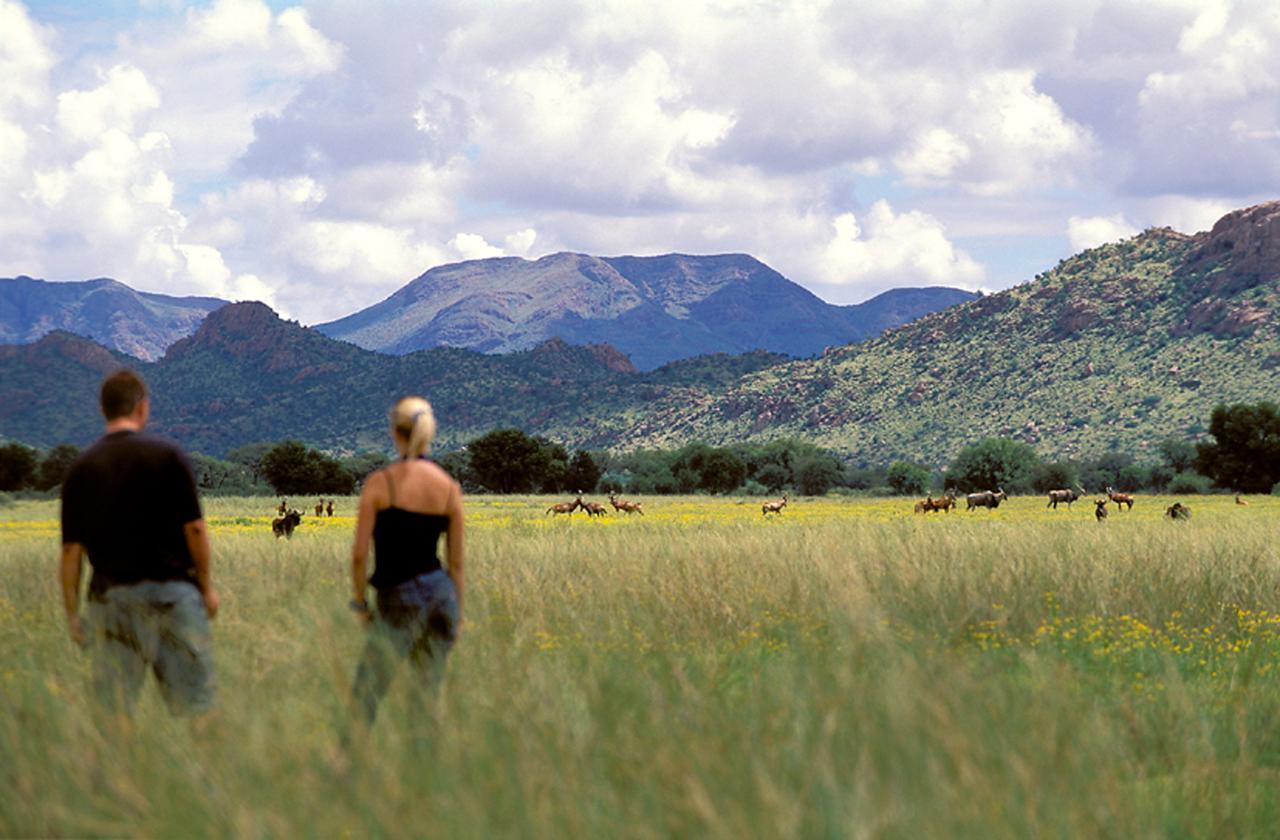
x=845, y=669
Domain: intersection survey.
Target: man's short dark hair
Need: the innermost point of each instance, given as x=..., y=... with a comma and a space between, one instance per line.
x=121, y=393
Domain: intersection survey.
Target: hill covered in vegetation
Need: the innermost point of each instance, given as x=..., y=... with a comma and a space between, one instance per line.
x=1116, y=347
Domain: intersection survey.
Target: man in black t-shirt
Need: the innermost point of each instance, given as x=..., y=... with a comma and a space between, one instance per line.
x=130, y=503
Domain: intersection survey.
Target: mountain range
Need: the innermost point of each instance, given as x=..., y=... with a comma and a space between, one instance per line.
x=653, y=309
x=141, y=324
x=1114, y=348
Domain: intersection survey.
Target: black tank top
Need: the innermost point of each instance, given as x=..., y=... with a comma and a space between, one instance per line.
x=404, y=542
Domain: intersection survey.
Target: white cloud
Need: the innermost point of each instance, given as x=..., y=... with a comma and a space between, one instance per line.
x=471, y=246
x=906, y=249
x=1091, y=231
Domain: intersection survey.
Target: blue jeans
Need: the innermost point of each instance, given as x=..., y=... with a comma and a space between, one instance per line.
x=417, y=619
x=157, y=624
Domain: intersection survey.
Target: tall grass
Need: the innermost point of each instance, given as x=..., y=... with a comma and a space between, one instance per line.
x=847, y=669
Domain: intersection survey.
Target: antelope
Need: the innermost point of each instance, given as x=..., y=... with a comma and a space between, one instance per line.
x=986, y=499
x=566, y=508
x=594, y=509
x=1101, y=510
x=1177, y=511
x=773, y=507
x=1068, y=496
x=329, y=508
x=625, y=505
x=284, y=525
x=1241, y=502
x=946, y=503
x=319, y=507
x=283, y=508
x=924, y=506
x=1120, y=498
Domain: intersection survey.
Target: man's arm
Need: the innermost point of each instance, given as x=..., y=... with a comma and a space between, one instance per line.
x=197, y=536
x=69, y=575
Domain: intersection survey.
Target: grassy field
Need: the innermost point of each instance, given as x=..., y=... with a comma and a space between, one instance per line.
x=845, y=669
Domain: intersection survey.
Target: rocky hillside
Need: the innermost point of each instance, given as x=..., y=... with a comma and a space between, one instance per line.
x=1116, y=347
x=653, y=309
x=247, y=375
x=140, y=324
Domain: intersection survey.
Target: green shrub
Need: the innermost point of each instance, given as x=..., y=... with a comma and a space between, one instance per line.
x=1185, y=483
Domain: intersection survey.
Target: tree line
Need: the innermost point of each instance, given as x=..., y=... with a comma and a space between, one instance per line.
x=1243, y=456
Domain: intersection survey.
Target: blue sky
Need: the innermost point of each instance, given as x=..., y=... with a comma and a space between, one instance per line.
x=320, y=155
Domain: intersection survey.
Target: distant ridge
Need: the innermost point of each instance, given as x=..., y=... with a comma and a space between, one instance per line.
x=141, y=324
x=653, y=309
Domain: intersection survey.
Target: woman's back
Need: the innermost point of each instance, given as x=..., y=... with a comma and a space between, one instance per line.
x=412, y=511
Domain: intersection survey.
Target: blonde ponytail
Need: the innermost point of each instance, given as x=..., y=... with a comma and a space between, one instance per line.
x=415, y=426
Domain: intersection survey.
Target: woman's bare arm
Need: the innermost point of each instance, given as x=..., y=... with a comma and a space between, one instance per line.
x=454, y=540
x=365, y=516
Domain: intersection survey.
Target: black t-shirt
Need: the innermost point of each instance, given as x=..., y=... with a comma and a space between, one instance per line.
x=125, y=500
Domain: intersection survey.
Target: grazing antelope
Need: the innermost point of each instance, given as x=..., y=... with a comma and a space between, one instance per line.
x=566, y=508
x=1177, y=511
x=986, y=499
x=1101, y=510
x=1241, y=502
x=284, y=525
x=1120, y=498
x=946, y=503
x=773, y=507
x=624, y=505
x=1068, y=496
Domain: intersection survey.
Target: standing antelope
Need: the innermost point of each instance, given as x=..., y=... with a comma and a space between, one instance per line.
x=1120, y=498
x=624, y=505
x=565, y=507
x=773, y=507
x=319, y=507
x=594, y=509
x=1068, y=496
x=1101, y=510
x=329, y=508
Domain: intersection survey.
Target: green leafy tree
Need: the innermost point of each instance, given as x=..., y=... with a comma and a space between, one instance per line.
x=458, y=464
x=1178, y=453
x=583, y=473
x=294, y=469
x=993, y=463
x=18, y=464
x=816, y=474
x=363, y=464
x=509, y=461
x=55, y=465
x=773, y=477
x=906, y=478
x=1057, y=475
x=1245, y=452
x=250, y=457
x=217, y=476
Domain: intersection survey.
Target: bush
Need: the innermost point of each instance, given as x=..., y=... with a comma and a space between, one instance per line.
x=753, y=488
x=294, y=469
x=1188, y=483
x=993, y=463
x=1245, y=453
x=1055, y=476
x=907, y=478
x=18, y=465
x=815, y=475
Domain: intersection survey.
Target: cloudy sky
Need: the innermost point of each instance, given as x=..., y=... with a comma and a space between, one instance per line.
x=319, y=155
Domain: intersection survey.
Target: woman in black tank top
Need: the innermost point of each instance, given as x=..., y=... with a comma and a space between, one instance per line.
x=404, y=510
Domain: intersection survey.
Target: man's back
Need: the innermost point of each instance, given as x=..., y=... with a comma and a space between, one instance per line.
x=126, y=500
